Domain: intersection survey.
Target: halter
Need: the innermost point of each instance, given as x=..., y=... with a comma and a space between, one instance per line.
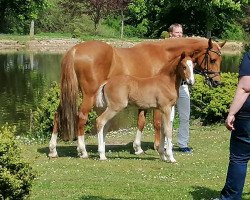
x=206, y=72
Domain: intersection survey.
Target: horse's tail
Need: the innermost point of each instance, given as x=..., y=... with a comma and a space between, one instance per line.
x=68, y=100
x=100, y=97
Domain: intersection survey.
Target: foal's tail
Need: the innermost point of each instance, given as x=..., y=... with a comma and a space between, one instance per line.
x=100, y=97
x=68, y=102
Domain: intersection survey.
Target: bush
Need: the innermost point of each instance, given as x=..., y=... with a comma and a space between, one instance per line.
x=44, y=115
x=211, y=104
x=16, y=176
x=233, y=32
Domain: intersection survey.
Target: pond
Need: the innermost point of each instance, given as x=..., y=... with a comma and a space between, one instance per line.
x=25, y=77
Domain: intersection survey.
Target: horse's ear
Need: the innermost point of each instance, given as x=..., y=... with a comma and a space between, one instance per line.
x=222, y=44
x=183, y=55
x=210, y=43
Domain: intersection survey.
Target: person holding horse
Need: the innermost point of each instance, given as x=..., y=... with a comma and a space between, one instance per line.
x=238, y=122
x=183, y=102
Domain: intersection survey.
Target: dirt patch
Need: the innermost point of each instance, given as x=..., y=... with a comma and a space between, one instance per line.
x=62, y=45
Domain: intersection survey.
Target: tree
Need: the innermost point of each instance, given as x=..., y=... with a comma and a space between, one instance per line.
x=200, y=17
x=15, y=14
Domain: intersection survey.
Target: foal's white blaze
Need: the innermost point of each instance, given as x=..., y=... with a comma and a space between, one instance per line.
x=190, y=64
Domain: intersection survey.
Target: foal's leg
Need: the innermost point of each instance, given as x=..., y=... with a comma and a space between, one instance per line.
x=53, y=140
x=157, y=127
x=86, y=106
x=101, y=121
x=166, y=133
x=140, y=126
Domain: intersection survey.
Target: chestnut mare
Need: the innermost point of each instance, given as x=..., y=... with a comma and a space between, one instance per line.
x=87, y=65
x=160, y=91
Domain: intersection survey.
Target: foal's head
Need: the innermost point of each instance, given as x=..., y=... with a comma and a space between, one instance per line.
x=185, y=68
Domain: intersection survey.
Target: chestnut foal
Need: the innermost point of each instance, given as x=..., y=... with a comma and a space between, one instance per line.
x=160, y=91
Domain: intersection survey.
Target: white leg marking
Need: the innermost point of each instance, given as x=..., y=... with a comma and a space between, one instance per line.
x=137, y=143
x=52, y=146
x=169, y=150
x=81, y=147
x=101, y=144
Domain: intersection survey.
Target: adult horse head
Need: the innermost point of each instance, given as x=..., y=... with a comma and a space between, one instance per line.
x=208, y=63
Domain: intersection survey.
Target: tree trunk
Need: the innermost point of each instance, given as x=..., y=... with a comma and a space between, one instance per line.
x=32, y=25
x=209, y=34
x=122, y=24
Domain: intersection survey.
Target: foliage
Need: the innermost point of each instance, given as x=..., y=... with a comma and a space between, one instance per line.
x=198, y=17
x=44, y=115
x=16, y=14
x=233, y=32
x=211, y=104
x=16, y=176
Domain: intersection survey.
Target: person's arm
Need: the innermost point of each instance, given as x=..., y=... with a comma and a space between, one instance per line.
x=242, y=92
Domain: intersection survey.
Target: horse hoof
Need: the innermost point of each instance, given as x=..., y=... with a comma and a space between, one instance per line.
x=53, y=155
x=84, y=156
x=103, y=159
x=173, y=160
x=139, y=152
x=156, y=147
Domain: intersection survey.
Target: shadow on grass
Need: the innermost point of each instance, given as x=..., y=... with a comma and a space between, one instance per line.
x=96, y=198
x=71, y=151
x=204, y=193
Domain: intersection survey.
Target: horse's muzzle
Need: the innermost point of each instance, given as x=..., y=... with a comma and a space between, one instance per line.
x=211, y=83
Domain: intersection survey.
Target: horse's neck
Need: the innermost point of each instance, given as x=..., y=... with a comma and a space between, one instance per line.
x=172, y=71
x=176, y=46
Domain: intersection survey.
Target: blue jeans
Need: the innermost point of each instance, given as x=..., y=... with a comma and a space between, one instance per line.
x=239, y=157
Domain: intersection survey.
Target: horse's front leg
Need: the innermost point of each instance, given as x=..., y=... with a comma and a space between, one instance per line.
x=53, y=140
x=166, y=137
x=140, y=126
x=82, y=120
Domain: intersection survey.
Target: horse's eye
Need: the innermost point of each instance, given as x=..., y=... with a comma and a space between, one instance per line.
x=213, y=61
x=184, y=68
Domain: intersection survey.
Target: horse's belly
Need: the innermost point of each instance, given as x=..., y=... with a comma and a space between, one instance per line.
x=143, y=104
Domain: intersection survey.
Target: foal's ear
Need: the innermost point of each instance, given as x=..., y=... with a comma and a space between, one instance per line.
x=183, y=55
x=210, y=43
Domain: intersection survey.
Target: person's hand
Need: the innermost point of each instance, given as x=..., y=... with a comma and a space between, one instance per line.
x=229, y=123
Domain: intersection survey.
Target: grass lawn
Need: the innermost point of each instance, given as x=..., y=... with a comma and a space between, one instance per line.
x=200, y=175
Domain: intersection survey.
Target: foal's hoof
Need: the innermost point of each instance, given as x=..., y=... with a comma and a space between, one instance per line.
x=173, y=161
x=53, y=155
x=139, y=152
x=103, y=159
x=84, y=156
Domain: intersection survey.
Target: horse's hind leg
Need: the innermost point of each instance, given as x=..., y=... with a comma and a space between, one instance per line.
x=53, y=140
x=101, y=121
x=140, y=126
x=166, y=132
x=157, y=128
x=86, y=106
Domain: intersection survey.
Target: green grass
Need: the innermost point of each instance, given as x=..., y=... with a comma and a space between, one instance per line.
x=200, y=175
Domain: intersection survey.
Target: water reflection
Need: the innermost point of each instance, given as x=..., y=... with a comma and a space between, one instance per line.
x=23, y=81
x=25, y=77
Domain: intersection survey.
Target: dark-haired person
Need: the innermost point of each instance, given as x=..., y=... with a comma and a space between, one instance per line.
x=238, y=122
